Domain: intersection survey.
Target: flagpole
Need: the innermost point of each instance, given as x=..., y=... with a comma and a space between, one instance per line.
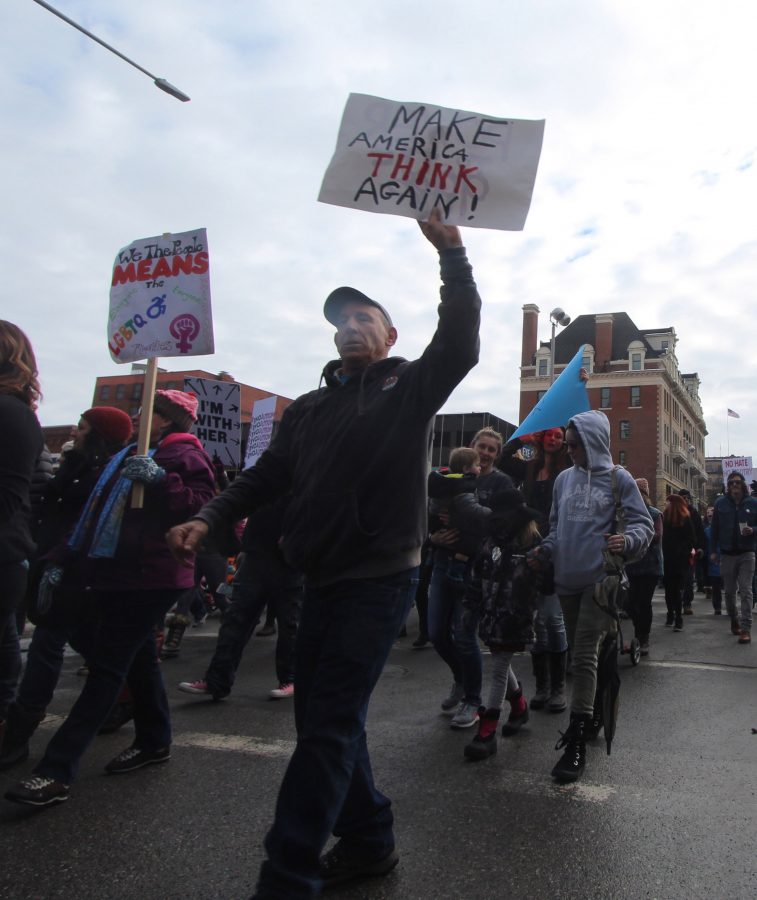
x=727, y=438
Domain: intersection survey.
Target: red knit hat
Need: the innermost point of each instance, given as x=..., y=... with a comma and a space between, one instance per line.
x=113, y=425
x=178, y=406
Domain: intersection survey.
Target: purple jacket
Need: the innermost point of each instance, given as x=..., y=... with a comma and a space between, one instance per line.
x=143, y=560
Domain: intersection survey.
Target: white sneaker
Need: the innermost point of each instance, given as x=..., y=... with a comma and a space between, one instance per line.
x=282, y=691
x=466, y=715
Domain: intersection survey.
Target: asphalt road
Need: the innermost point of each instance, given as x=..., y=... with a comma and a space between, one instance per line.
x=670, y=814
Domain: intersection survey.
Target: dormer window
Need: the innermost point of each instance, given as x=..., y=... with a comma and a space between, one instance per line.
x=636, y=354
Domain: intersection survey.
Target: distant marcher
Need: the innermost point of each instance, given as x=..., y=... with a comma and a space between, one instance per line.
x=644, y=574
x=693, y=574
x=733, y=532
x=679, y=541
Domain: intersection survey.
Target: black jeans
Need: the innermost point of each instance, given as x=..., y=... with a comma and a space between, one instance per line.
x=674, y=582
x=123, y=644
x=259, y=581
x=640, y=593
x=12, y=587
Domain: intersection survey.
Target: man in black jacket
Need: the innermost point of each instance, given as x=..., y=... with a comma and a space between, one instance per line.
x=354, y=526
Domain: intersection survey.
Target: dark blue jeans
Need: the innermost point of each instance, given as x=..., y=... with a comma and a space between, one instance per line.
x=123, y=644
x=346, y=632
x=259, y=581
x=455, y=637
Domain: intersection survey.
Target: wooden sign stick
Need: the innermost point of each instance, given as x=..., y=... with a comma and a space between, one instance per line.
x=145, y=424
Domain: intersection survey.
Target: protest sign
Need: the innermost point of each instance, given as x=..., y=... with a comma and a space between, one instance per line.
x=160, y=298
x=566, y=398
x=741, y=464
x=218, y=425
x=261, y=429
x=404, y=159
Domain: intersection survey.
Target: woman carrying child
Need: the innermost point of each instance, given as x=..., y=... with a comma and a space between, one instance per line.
x=502, y=597
x=451, y=495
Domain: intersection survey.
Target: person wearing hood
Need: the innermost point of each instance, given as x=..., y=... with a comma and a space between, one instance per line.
x=583, y=525
x=354, y=456
x=134, y=580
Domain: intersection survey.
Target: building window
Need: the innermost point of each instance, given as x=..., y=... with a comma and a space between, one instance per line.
x=543, y=367
x=120, y=391
x=636, y=396
x=636, y=362
x=622, y=458
x=604, y=398
x=667, y=463
x=664, y=344
x=171, y=386
x=625, y=430
x=539, y=395
x=105, y=392
x=133, y=411
x=136, y=390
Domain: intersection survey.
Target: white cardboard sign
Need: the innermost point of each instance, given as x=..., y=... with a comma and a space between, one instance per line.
x=160, y=298
x=261, y=429
x=404, y=159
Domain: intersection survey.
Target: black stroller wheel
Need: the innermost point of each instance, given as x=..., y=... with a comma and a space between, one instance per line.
x=634, y=651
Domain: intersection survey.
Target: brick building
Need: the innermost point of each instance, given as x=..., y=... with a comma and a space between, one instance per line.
x=657, y=428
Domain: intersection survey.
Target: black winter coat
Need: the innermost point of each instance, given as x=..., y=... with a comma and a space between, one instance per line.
x=354, y=455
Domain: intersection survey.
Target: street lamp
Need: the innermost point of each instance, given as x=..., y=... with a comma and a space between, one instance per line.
x=558, y=316
x=158, y=82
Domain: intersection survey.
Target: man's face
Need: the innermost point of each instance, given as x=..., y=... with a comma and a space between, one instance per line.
x=362, y=336
x=576, y=450
x=710, y=513
x=553, y=440
x=736, y=489
x=488, y=450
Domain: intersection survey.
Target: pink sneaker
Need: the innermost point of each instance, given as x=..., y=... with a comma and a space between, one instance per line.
x=282, y=691
x=194, y=687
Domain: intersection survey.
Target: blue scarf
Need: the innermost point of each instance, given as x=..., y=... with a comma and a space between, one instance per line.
x=108, y=528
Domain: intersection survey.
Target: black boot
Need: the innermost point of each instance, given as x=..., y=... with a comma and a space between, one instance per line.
x=176, y=626
x=596, y=720
x=518, y=713
x=557, y=701
x=484, y=744
x=571, y=764
x=540, y=663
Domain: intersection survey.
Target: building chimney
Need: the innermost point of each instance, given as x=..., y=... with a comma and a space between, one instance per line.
x=603, y=340
x=530, y=327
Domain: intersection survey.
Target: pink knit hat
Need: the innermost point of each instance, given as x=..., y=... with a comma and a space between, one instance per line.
x=178, y=406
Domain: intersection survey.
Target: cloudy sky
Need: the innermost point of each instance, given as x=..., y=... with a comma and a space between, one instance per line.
x=645, y=199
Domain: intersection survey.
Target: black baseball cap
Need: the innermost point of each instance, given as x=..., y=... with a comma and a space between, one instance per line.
x=336, y=300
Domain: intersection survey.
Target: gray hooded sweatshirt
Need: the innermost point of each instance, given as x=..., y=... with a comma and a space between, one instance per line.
x=583, y=510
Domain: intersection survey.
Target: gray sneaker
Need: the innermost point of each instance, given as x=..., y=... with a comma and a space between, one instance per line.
x=466, y=715
x=450, y=704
